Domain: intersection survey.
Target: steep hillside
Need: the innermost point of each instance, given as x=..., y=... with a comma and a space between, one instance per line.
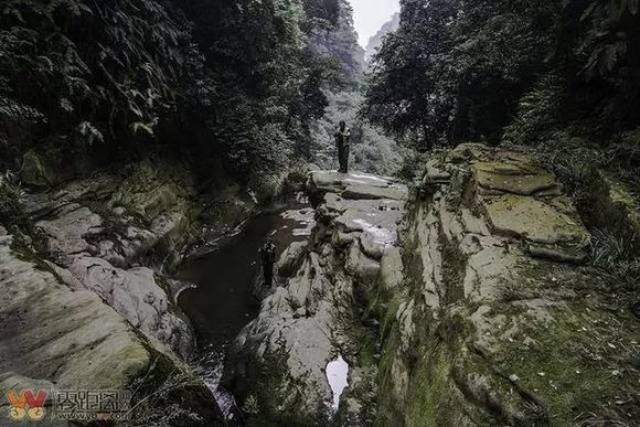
x=337, y=40
x=376, y=40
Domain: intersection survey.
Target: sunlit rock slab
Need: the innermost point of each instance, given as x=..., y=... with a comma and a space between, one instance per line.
x=357, y=185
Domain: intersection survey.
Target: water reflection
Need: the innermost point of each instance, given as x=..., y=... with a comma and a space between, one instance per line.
x=337, y=375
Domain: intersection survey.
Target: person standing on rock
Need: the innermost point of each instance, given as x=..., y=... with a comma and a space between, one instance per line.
x=268, y=259
x=343, y=137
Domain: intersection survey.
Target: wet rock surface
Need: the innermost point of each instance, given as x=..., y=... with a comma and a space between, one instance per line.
x=85, y=304
x=103, y=233
x=278, y=364
x=478, y=309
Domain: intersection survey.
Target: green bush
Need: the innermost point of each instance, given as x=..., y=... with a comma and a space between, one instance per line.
x=537, y=113
x=12, y=214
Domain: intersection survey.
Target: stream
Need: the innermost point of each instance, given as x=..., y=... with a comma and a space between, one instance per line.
x=222, y=302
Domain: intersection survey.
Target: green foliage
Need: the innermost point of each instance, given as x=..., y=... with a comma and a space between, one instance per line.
x=610, y=36
x=404, y=94
x=372, y=151
x=457, y=71
x=617, y=256
x=323, y=10
x=260, y=86
x=89, y=69
x=11, y=210
x=233, y=82
x=536, y=113
x=603, y=60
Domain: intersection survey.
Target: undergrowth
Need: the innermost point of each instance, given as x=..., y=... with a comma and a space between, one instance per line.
x=12, y=213
x=611, y=251
x=616, y=257
x=169, y=396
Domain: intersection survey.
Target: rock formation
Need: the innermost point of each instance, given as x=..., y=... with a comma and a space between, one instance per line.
x=478, y=311
x=376, y=40
x=84, y=303
x=278, y=364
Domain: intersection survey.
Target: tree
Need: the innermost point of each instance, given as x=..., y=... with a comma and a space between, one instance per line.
x=405, y=93
x=89, y=71
x=457, y=71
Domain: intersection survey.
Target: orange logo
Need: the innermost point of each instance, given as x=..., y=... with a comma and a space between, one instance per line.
x=27, y=405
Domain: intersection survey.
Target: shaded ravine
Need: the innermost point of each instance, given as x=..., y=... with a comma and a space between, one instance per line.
x=222, y=301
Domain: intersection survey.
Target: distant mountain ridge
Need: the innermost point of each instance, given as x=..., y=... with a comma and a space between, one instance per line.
x=376, y=40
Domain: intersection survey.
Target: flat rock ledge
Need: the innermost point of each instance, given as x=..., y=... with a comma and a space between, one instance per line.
x=279, y=359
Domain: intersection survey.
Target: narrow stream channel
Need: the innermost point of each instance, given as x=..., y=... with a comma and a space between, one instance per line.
x=222, y=302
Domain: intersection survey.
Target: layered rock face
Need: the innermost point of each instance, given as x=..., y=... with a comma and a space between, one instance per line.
x=497, y=323
x=84, y=304
x=55, y=334
x=277, y=367
x=109, y=234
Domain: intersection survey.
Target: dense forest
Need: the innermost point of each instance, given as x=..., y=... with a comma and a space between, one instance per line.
x=238, y=82
x=243, y=82
x=511, y=71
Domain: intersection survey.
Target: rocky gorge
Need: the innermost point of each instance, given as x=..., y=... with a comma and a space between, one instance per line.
x=466, y=297
x=162, y=160
x=88, y=299
x=466, y=300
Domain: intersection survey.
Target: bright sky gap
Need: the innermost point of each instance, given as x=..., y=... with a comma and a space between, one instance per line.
x=370, y=15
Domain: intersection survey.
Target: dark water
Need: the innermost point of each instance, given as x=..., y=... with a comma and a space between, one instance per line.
x=222, y=302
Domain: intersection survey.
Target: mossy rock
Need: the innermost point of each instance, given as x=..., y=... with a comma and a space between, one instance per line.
x=535, y=220
x=580, y=365
x=36, y=171
x=518, y=178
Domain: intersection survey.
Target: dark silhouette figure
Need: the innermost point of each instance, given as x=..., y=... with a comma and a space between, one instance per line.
x=343, y=137
x=268, y=259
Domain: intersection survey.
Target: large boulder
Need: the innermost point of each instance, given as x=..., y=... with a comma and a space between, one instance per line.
x=93, y=309
x=136, y=295
x=97, y=244
x=57, y=338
